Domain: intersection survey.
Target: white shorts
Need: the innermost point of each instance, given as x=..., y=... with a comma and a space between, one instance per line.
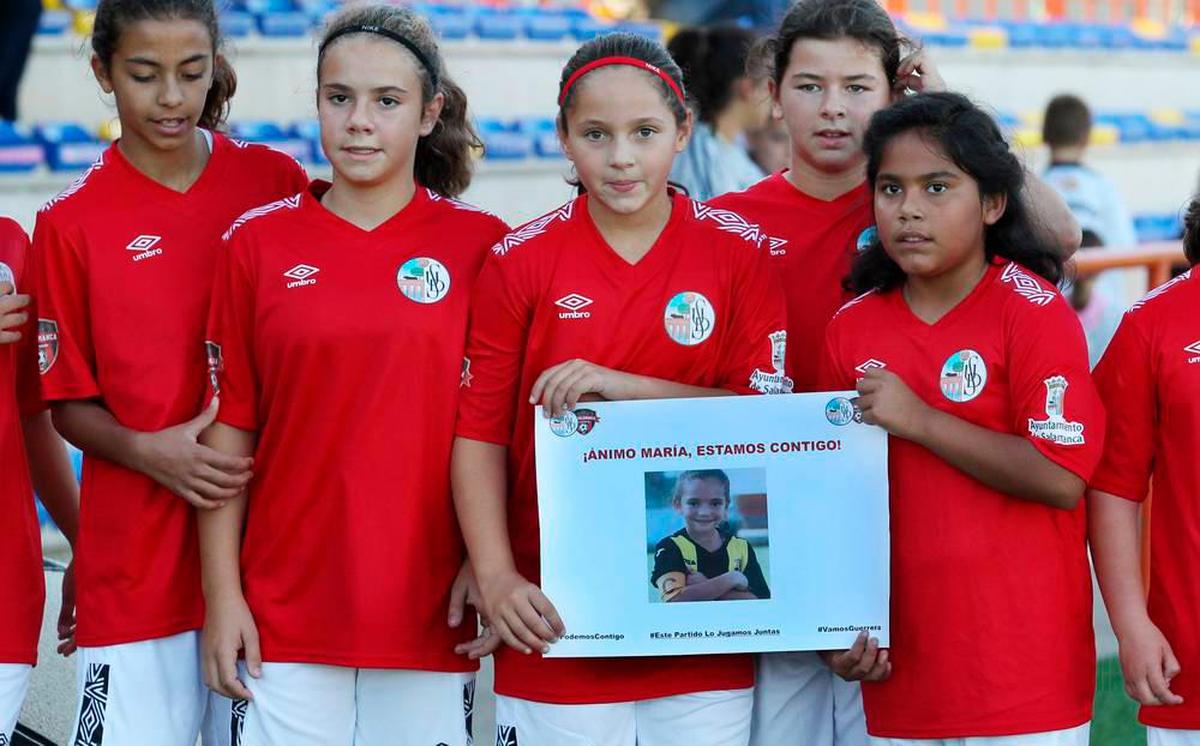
x=145, y=693
x=303, y=704
x=14, y=682
x=799, y=700
x=703, y=719
x=1070, y=737
x=1171, y=737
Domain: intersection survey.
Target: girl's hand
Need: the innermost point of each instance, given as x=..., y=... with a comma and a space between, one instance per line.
x=917, y=73
x=520, y=612
x=1148, y=665
x=464, y=593
x=560, y=387
x=11, y=314
x=739, y=581
x=204, y=477
x=66, y=613
x=864, y=661
x=888, y=402
x=229, y=627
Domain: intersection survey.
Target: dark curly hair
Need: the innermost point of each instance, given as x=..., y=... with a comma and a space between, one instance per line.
x=969, y=137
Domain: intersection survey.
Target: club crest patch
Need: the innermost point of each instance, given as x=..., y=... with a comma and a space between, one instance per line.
x=47, y=333
x=775, y=382
x=866, y=238
x=216, y=364
x=1056, y=428
x=689, y=318
x=964, y=374
x=7, y=275
x=423, y=280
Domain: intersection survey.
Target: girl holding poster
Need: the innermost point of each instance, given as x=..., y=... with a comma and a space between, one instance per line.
x=629, y=291
x=983, y=383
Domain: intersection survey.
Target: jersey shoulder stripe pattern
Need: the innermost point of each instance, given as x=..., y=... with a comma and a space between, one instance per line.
x=1161, y=290
x=853, y=302
x=729, y=222
x=78, y=184
x=1026, y=286
x=288, y=203
x=435, y=197
x=534, y=228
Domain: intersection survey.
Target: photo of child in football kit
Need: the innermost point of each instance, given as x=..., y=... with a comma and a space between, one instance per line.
x=983, y=384
x=335, y=613
x=707, y=560
x=122, y=263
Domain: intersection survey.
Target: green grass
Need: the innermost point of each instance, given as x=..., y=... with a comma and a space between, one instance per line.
x=1115, y=720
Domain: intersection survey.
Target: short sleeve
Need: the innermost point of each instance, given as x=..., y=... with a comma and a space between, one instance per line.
x=229, y=341
x=831, y=374
x=501, y=313
x=66, y=356
x=756, y=346
x=754, y=575
x=1125, y=380
x=1055, y=404
x=670, y=572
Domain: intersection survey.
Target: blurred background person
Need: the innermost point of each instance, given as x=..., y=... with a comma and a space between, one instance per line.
x=18, y=23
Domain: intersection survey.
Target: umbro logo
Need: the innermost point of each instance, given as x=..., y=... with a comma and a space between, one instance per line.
x=1194, y=349
x=869, y=364
x=301, y=275
x=146, y=246
x=574, y=305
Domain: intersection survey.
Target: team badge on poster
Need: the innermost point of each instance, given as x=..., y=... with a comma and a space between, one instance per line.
x=964, y=374
x=47, y=331
x=689, y=318
x=423, y=280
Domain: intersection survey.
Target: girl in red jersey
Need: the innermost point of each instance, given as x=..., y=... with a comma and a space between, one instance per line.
x=834, y=63
x=32, y=457
x=1149, y=377
x=630, y=291
x=982, y=379
x=336, y=343
x=124, y=261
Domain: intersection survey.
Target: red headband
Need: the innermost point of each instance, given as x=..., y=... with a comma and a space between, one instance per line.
x=606, y=61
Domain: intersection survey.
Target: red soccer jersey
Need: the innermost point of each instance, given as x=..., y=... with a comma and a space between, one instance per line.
x=701, y=307
x=21, y=587
x=124, y=271
x=343, y=350
x=812, y=244
x=991, y=607
x=1149, y=378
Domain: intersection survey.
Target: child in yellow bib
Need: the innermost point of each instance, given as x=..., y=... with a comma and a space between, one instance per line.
x=699, y=562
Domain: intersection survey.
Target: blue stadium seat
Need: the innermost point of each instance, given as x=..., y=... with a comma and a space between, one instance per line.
x=54, y=22
x=236, y=24
x=547, y=26
x=504, y=141
x=1158, y=226
x=19, y=150
x=68, y=146
x=543, y=134
x=286, y=23
x=498, y=26
x=588, y=28
x=309, y=130
x=269, y=133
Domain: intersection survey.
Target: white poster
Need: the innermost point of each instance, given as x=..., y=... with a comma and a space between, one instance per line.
x=715, y=525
